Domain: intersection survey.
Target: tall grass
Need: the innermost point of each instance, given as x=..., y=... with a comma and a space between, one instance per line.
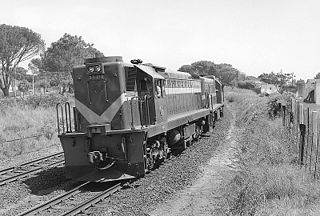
x=266, y=179
x=20, y=119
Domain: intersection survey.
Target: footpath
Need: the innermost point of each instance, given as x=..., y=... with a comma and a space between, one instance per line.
x=201, y=198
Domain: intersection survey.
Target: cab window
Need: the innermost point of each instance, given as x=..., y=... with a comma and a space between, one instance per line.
x=131, y=74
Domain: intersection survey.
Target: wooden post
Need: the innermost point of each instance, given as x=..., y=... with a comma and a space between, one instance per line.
x=306, y=124
x=296, y=116
x=317, y=150
x=301, y=116
x=293, y=106
x=313, y=135
x=314, y=138
x=307, y=136
x=301, y=149
x=302, y=130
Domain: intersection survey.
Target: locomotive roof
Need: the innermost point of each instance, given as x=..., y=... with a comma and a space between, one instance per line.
x=149, y=70
x=176, y=74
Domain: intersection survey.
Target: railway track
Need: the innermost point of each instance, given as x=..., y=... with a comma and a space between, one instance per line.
x=23, y=170
x=67, y=204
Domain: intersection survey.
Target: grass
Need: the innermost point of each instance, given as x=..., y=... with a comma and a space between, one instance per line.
x=266, y=179
x=19, y=119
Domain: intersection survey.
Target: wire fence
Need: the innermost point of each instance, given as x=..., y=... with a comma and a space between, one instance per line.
x=21, y=138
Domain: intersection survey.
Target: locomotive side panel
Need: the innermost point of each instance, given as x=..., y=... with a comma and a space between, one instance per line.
x=182, y=96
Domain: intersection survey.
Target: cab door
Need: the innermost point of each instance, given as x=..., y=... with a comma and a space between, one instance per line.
x=147, y=103
x=160, y=100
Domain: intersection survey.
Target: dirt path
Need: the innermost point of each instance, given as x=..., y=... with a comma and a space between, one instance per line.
x=199, y=199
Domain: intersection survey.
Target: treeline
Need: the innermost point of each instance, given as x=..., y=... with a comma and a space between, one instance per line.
x=227, y=74
x=53, y=67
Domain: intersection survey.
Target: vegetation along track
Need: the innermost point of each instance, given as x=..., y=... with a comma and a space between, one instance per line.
x=73, y=202
x=18, y=172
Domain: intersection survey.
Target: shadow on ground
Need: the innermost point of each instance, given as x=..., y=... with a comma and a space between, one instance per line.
x=47, y=181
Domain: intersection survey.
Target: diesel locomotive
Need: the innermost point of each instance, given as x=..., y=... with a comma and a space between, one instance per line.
x=129, y=117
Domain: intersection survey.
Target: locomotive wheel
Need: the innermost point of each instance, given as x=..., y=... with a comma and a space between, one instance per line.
x=150, y=163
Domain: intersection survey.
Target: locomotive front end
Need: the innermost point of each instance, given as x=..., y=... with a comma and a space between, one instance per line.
x=102, y=144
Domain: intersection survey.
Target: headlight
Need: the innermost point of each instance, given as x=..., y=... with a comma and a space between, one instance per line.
x=97, y=68
x=91, y=69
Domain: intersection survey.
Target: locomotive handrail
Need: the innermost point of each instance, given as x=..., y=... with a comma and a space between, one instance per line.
x=139, y=99
x=58, y=119
x=144, y=111
x=147, y=109
x=64, y=118
x=68, y=117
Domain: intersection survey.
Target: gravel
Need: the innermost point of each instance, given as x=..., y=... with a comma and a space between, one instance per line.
x=144, y=195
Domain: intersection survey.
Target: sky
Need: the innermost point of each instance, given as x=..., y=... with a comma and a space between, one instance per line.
x=255, y=36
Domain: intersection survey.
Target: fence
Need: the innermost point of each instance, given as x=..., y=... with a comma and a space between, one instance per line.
x=303, y=121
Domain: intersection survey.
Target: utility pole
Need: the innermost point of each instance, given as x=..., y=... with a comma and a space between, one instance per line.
x=15, y=77
x=33, y=83
x=292, y=76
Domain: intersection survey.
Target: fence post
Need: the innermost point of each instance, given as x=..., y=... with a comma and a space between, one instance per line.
x=302, y=130
x=314, y=138
x=283, y=115
x=314, y=116
x=305, y=122
x=308, y=143
x=317, y=149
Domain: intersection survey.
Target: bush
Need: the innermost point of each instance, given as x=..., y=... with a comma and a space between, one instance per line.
x=274, y=106
x=246, y=85
x=48, y=100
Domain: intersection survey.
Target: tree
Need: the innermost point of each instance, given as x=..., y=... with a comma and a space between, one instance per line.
x=66, y=53
x=203, y=68
x=317, y=76
x=225, y=72
x=199, y=68
x=17, y=44
x=36, y=64
x=278, y=79
x=44, y=84
x=185, y=68
x=23, y=87
x=190, y=70
x=20, y=73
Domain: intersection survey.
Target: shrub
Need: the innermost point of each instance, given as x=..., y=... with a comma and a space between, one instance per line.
x=246, y=85
x=48, y=100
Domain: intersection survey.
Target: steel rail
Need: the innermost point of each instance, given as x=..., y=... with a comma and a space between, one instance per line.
x=15, y=173
x=54, y=201
x=92, y=201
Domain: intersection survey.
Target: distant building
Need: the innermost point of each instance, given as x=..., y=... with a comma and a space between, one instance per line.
x=268, y=89
x=310, y=85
